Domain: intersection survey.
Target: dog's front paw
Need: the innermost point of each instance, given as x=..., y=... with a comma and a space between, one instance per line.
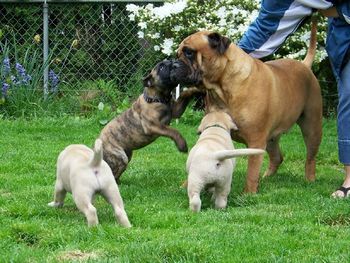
x=182, y=146
x=55, y=204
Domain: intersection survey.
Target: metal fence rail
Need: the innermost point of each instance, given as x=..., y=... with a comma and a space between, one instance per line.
x=87, y=41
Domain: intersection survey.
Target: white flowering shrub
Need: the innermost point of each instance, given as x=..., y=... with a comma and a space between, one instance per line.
x=165, y=26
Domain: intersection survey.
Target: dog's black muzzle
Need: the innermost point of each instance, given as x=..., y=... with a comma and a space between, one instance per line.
x=183, y=74
x=160, y=76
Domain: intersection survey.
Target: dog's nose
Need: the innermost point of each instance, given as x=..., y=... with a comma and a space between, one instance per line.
x=177, y=63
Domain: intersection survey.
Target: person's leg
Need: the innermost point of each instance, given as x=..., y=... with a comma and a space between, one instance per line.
x=344, y=129
x=344, y=190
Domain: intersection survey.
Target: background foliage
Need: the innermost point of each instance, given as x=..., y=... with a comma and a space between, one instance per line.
x=101, y=51
x=96, y=55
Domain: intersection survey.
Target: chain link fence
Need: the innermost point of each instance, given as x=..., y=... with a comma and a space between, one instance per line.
x=95, y=54
x=93, y=46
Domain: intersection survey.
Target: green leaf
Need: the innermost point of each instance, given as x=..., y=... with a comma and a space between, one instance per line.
x=103, y=122
x=101, y=106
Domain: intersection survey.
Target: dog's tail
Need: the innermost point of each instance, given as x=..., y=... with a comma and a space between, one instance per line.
x=98, y=154
x=310, y=55
x=227, y=154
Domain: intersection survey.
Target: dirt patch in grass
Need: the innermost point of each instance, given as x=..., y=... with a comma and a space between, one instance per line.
x=5, y=193
x=77, y=255
x=338, y=220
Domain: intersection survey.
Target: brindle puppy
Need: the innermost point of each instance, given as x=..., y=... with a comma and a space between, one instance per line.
x=146, y=120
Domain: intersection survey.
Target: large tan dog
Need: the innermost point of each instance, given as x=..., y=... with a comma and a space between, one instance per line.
x=264, y=99
x=82, y=172
x=211, y=161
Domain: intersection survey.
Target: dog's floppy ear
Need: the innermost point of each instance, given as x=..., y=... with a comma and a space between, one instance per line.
x=219, y=42
x=233, y=126
x=230, y=122
x=200, y=129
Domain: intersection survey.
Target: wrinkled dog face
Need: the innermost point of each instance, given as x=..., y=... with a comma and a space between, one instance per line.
x=199, y=56
x=160, y=77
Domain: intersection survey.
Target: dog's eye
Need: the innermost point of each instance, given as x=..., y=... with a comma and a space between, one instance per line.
x=189, y=53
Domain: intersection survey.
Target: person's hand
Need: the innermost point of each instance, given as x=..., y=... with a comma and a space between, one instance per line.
x=330, y=12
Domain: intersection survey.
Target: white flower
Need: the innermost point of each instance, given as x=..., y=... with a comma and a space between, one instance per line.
x=241, y=28
x=305, y=37
x=253, y=15
x=167, y=46
x=169, y=9
x=300, y=53
x=149, y=7
x=321, y=54
x=140, y=34
x=156, y=48
x=155, y=36
x=132, y=17
x=178, y=28
x=221, y=13
x=222, y=22
x=132, y=8
x=231, y=31
x=244, y=13
x=235, y=11
x=142, y=25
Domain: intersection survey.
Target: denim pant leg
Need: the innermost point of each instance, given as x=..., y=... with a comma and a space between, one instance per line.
x=344, y=115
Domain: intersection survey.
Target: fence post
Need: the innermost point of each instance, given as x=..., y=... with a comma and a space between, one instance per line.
x=46, y=46
x=177, y=95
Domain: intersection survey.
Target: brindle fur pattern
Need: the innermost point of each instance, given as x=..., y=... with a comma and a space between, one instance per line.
x=143, y=123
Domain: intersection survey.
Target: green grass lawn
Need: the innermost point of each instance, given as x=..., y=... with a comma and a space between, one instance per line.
x=289, y=220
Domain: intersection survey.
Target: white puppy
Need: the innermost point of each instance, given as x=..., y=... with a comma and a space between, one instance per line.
x=210, y=162
x=82, y=172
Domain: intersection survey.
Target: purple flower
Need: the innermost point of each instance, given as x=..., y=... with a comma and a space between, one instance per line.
x=4, y=89
x=54, y=80
x=21, y=70
x=22, y=73
x=14, y=80
x=27, y=78
x=6, y=63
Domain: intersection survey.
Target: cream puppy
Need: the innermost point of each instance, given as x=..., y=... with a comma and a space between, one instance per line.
x=211, y=161
x=82, y=172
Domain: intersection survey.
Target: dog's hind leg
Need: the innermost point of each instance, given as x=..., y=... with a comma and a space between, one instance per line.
x=220, y=195
x=194, y=188
x=275, y=156
x=254, y=166
x=60, y=194
x=311, y=128
x=195, y=202
x=83, y=202
x=112, y=195
x=117, y=161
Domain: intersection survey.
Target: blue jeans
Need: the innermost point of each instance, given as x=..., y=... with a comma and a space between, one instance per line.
x=344, y=115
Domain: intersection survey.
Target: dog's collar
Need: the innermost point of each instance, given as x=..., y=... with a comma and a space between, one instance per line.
x=215, y=126
x=155, y=99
